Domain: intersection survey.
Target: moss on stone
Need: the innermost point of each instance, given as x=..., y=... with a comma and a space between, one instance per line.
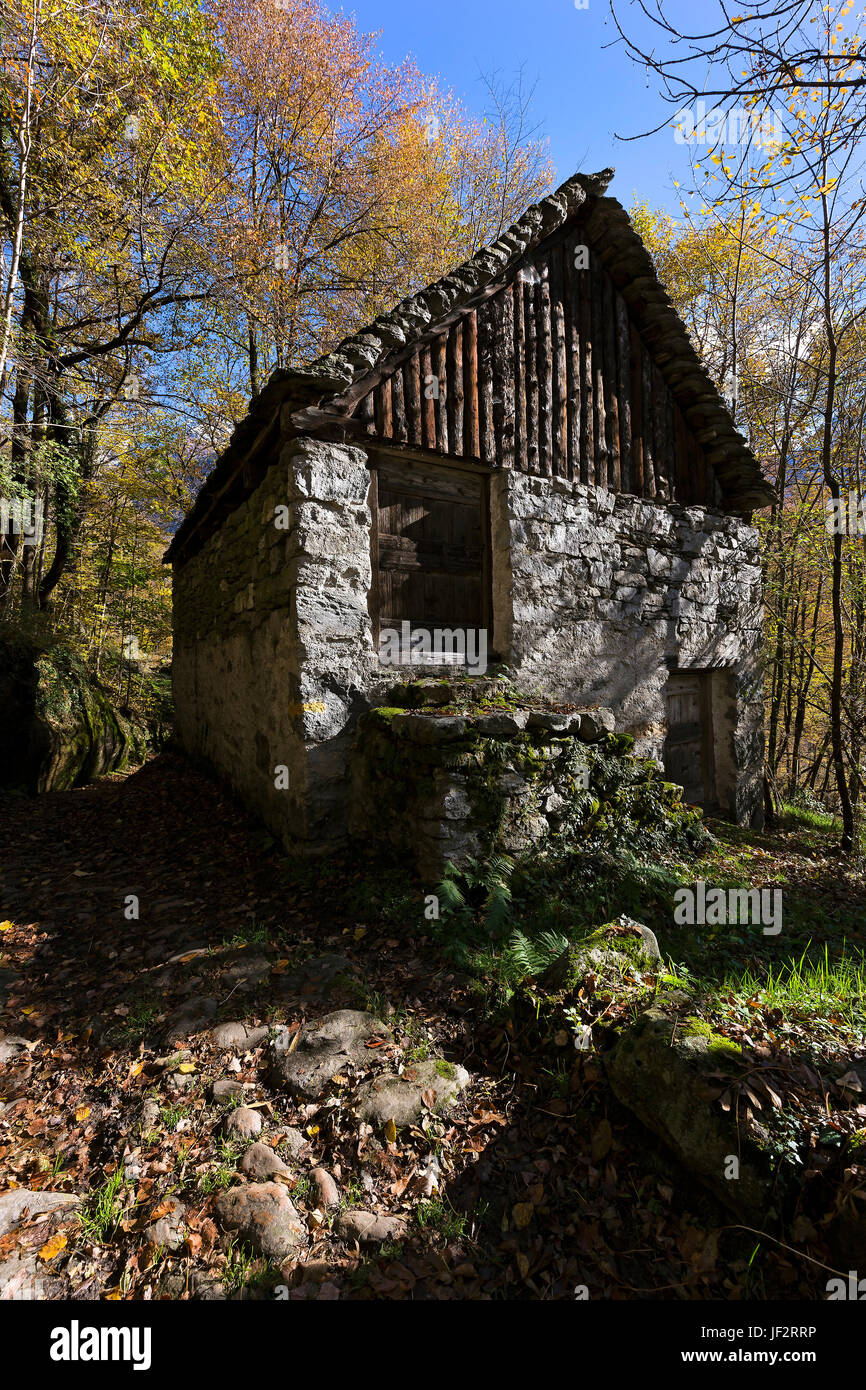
x=695, y=1027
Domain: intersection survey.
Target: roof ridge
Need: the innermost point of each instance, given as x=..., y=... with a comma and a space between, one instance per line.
x=361, y=351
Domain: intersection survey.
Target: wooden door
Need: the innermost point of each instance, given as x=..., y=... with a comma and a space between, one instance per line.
x=429, y=547
x=688, y=755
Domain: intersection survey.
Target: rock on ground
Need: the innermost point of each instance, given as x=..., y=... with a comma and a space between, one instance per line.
x=401, y=1098
x=368, y=1228
x=294, y=1141
x=231, y=1035
x=243, y=1122
x=320, y=974
x=168, y=1229
x=260, y=1161
x=324, y=1048
x=616, y=945
x=264, y=1214
x=23, y=1278
x=226, y=1088
x=15, y=1205
x=329, y=1196
x=187, y=1019
x=11, y=1048
x=659, y=1069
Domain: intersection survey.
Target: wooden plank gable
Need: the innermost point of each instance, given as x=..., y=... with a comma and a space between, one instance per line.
x=551, y=376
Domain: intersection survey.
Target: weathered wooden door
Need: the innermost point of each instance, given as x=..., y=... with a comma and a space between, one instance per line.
x=688, y=756
x=429, y=550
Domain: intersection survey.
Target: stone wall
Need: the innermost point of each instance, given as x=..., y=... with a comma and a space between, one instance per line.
x=600, y=596
x=440, y=788
x=273, y=635
x=596, y=597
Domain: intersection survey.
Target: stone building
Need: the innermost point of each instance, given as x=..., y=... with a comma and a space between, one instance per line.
x=530, y=450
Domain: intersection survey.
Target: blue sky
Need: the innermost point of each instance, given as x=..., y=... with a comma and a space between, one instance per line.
x=585, y=90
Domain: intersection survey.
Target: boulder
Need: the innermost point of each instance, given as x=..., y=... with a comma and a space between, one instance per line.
x=368, y=1228
x=401, y=1097
x=264, y=1214
x=665, y=1070
x=324, y=1049
x=59, y=727
x=619, y=945
x=20, y=1204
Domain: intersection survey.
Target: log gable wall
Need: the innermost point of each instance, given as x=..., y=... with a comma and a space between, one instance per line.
x=549, y=376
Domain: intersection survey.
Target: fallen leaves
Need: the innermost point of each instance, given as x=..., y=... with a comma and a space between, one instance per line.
x=52, y=1248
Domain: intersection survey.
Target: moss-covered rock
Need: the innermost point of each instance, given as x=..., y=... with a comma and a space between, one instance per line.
x=58, y=727
x=615, y=947
x=665, y=1070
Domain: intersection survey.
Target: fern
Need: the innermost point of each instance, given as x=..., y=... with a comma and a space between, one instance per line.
x=497, y=900
x=532, y=957
x=479, y=892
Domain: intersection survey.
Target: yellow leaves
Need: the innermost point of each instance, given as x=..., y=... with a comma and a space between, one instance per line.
x=52, y=1248
x=187, y=1068
x=6, y=926
x=82, y=1113
x=391, y=1132
x=521, y=1215
x=136, y=1069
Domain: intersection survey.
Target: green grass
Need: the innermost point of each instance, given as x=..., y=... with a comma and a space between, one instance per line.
x=139, y=1021
x=815, y=966
x=812, y=819
x=102, y=1214
x=810, y=985
x=435, y=1215
x=255, y=934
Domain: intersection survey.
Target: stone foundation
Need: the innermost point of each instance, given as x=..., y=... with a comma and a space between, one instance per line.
x=436, y=788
